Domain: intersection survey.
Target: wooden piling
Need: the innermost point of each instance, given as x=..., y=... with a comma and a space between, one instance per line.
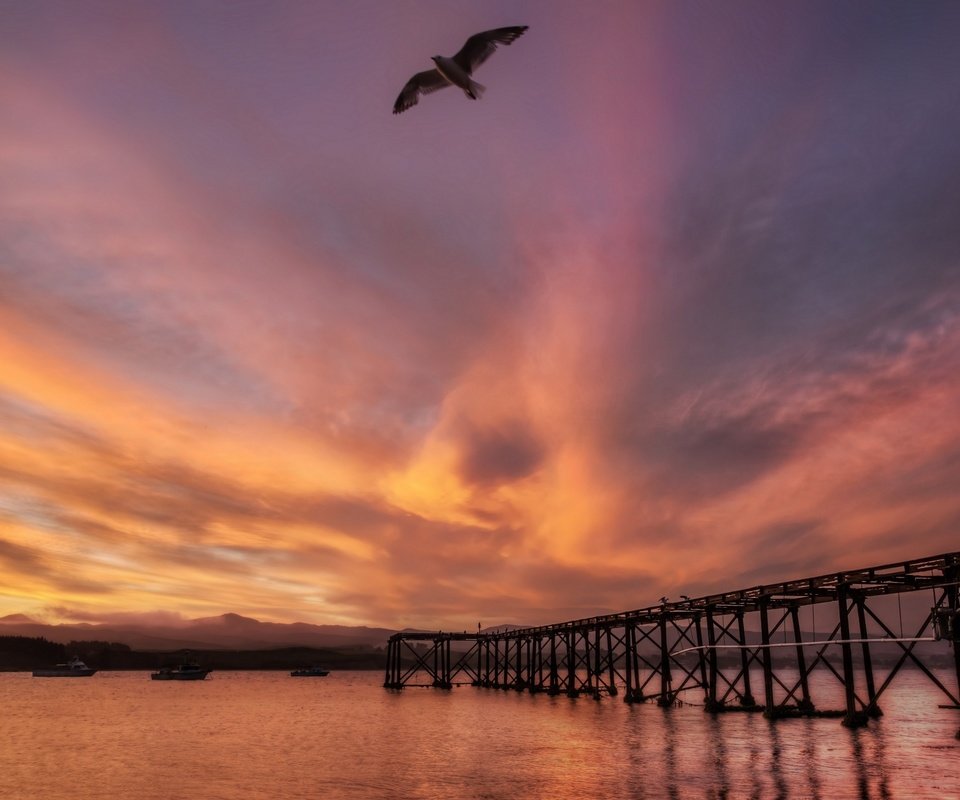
x=766, y=659
x=746, y=699
x=872, y=710
x=666, y=695
x=611, y=659
x=711, y=704
x=554, y=674
x=853, y=718
x=805, y=704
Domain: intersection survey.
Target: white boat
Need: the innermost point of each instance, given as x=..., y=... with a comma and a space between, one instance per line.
x=181, y=672
x=74, y=668
x=310, y=672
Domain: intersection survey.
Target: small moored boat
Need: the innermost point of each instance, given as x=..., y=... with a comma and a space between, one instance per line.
x=181, y=672
x=74, y=668
x=310, y=672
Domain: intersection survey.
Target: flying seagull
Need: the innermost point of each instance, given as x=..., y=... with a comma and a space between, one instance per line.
x=456, y=71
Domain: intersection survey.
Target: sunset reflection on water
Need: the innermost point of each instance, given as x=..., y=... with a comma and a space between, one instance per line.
x=263, y=735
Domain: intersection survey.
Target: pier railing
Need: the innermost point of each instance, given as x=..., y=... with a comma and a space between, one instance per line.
x=716, y=645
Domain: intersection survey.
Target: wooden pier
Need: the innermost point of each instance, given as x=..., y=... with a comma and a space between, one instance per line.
x=713, y=649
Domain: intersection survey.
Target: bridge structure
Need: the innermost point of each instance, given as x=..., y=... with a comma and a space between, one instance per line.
x=755, y=649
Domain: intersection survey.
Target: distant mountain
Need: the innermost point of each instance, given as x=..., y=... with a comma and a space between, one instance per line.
x=226, y=632
x=505, y=628
x=12, y=619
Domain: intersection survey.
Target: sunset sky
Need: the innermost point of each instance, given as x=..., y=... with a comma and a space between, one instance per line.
x=674, y=308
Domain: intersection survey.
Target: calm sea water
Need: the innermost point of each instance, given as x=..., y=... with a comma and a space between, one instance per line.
x=250, y=735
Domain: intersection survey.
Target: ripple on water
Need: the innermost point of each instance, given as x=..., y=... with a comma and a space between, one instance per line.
x=264, y=735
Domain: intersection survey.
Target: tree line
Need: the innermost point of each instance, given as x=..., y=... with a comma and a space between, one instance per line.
x=20, y=653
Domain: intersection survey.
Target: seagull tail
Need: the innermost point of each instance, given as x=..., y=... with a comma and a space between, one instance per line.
x=476, y=90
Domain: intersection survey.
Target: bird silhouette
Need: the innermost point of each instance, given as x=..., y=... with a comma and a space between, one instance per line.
x=456, y=70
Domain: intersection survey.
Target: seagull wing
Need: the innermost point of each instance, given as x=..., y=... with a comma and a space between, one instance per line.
x=480, y=46
x=421, y=83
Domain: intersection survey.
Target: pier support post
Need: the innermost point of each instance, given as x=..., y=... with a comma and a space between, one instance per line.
x=447, y=666
x=710, y=703
x=805, y=705
x=519, y=684
x=388, y=679
x=486, y=662
x=853, y=718
x=952, y=596
x=587, y=660
x=572, y=690
x=544, y=664
x=504, y=682
x=396, y=666
x=666, y=694
x=873, y=710
x=747, y=698
x=441, y=663
x=554, y=676
x=503, y=662
x=770, y=711
x=596, y=663
x=505, y=665
x=533, y=665
x=629, y=675
x=611, y=657
x=529, y=682
x=701, y=654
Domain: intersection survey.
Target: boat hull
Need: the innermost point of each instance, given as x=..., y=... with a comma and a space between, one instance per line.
x=63, y=673
x=180, y=676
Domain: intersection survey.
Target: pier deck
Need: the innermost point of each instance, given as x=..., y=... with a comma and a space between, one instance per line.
x=715, y=646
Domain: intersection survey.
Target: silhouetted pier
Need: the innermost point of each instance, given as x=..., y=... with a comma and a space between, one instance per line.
x=718, y=644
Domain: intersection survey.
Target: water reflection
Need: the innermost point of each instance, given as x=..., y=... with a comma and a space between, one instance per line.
x=868, y=756
x=879, y=739
x=776, y=767
x=753, y=758
x=863, y=780
x=256, y=736
x=809, y=756
x=721, y=785
x=670, y=752
x=748, y=756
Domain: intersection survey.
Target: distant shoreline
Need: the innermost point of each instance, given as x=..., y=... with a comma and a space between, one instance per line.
x=20, y=653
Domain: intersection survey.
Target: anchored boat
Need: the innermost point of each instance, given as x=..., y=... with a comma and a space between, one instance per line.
x=181, y=672
x=310, y=672
x=74, y=668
